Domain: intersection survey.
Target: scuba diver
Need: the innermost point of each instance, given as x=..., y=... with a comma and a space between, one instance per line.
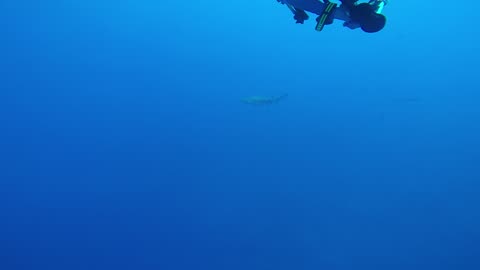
x=366, y=16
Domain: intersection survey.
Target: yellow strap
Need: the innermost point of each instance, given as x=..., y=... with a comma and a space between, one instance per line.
x=324, y=16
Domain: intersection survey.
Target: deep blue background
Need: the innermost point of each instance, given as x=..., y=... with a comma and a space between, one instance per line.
x=124, y=144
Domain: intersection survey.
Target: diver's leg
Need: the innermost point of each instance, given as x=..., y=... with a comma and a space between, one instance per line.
x=299, y=15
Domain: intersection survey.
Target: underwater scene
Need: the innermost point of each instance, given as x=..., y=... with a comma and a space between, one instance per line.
x=225, y=135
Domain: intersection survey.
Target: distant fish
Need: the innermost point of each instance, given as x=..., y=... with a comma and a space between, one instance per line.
x=263, y=100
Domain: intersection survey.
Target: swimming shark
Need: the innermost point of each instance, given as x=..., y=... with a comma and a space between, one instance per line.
x=263, y=100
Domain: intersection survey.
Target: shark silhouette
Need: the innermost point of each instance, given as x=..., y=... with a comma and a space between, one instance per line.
x=263, y=100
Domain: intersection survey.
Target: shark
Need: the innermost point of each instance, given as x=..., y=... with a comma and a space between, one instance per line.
x=263, y=100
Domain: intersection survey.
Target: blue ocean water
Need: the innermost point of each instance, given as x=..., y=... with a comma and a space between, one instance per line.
x=124, y=143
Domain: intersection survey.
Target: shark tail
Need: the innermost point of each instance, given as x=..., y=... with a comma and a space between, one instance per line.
x=282, y=96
